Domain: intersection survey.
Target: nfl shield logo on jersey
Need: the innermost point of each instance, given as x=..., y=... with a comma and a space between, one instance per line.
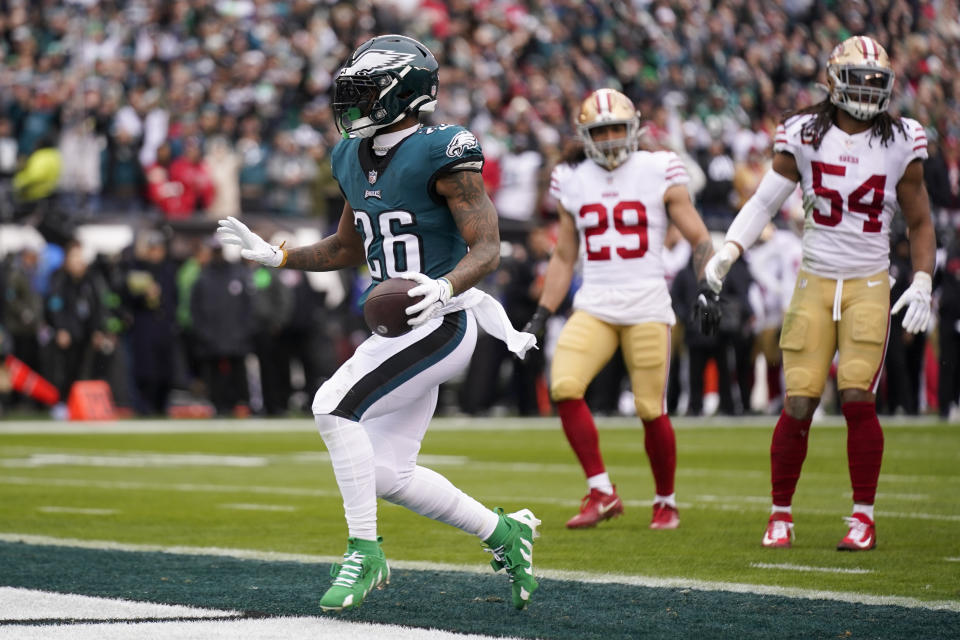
x=372, y=177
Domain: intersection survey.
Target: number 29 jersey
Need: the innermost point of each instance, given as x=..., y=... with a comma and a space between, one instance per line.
x=621, y=220
x=851, y=182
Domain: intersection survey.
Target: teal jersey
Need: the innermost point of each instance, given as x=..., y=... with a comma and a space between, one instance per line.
x=405, y=224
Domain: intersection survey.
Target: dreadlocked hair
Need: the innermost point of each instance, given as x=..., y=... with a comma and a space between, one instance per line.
x=825, y=115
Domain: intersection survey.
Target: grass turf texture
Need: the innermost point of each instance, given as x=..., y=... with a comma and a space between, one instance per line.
x=169, y=495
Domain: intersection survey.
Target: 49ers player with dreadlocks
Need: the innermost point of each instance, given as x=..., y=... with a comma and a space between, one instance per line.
x=856, y=166
x=614, y=205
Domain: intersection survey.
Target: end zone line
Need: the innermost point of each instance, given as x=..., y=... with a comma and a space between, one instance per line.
x=552, y=574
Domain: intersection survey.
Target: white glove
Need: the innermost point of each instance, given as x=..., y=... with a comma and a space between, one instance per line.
x=252, y=246
x=436, y=293
x=719, y=265
x=917, y=300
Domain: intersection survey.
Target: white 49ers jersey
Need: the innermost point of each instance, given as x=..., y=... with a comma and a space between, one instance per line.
x=621, y=219
x=852, y=182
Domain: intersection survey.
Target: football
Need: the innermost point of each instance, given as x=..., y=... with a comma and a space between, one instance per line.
x=385, y=308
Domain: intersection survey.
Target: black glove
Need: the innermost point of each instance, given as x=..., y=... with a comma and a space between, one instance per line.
x=538, y=323
x=706, y=310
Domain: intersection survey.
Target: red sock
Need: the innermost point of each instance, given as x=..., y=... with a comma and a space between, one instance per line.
x=787, y=453
x=661, y=445
x=581, y=434
x=864, y=449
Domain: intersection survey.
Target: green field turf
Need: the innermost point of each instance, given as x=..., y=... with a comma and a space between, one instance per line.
x=273, y=490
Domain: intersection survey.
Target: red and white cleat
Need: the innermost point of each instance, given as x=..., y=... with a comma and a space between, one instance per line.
x=779, y=533
x=664, y=517
x=596, y=507
x=861, y=536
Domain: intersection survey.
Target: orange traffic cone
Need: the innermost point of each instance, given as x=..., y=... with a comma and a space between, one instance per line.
x=90, y=400
x=25, y=380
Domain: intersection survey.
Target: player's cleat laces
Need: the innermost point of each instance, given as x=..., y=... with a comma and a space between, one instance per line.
x=862, y=535
x=596, y=507
x=515, y=554
x=664, y=516
x=779, y=533
x=363, y=569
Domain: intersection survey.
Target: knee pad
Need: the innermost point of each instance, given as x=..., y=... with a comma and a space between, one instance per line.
x=389, y=481
x=648, y=409
x=567, y=388
x=326, y=424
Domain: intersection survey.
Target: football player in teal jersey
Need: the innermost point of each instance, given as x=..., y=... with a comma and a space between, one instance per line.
x=416, y=208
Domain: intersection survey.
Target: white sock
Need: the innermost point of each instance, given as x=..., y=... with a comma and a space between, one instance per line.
x=865, y=509
x=670, y=500
x=352, y=456
x=779, y=509
x=601, y=482
x=430, y=494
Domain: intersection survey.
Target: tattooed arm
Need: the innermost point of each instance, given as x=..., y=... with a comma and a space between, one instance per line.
x=476, y=219
x=342, y=249
x=688, y=221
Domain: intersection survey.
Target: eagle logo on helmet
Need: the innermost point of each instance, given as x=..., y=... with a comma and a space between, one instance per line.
x=378, y=60
x=860, y=77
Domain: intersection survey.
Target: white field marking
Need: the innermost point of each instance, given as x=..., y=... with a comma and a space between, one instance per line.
x=304, y=425
x=952, y=559
x=801, y=567
x=78, y=511
x=136, y=460
x=30, y=604
x=552, y=574
x=244, y=506
x=288, y=628
x=710, y=502
x=181, y=486
x=909, y=497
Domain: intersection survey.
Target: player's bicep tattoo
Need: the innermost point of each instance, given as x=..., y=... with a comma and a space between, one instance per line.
x=472, y=210
x=476, y=218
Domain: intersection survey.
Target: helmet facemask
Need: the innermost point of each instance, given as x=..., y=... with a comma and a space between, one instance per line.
x=608, y=108
x=612, y=152
x=387, y=78
x=860, y=77
x=861, y=91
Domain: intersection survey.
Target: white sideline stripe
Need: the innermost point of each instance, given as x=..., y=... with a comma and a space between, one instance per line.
x=243, y=506
x=180, y=486
x=553, y=574
x=299, y=628
x=754, y=503
x=54, y=427
x=31, y=604
x=952, y=559
x=150, y=459
x=801, y=567
x=78, y=511
x=136, y=460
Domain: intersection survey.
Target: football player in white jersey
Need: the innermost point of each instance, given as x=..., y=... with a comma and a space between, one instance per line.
x=614, y=205
x=857, y=166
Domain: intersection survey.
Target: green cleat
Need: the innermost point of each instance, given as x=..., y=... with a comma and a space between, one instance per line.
x=515, y=552
x=364, y=568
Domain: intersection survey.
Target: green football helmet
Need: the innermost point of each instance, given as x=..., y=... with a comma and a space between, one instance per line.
x=386, y=78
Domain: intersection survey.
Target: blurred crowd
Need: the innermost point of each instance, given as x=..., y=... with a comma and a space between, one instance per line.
x=185, y=111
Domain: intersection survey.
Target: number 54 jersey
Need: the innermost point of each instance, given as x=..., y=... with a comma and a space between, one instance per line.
x=849, y=189
x=621, y=220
